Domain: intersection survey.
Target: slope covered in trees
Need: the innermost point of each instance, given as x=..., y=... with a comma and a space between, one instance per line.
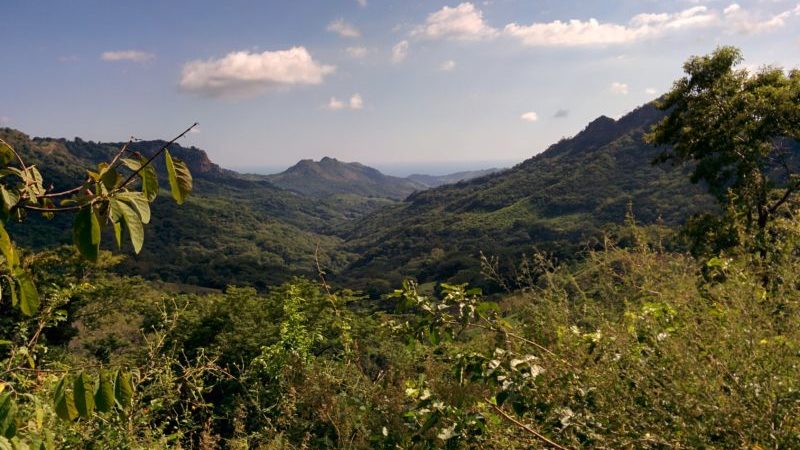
x=559, y=200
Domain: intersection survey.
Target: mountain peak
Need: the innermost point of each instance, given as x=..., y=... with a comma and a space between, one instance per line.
x=329, y=176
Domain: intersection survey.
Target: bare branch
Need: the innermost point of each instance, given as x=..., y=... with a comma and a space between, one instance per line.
x=155, y=155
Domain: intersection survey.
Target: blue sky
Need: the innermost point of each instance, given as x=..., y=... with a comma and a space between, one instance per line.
x=377, y=81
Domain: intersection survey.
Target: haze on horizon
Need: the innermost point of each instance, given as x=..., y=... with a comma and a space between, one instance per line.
x=385, y=83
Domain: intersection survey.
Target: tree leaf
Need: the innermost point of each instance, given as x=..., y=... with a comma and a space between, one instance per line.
x=147, y=173
x=6, y=154
x=123, y=389
x=133, y=223
x=104, y=398
x=64, y=401
x=83, y=391
x=86, y=233
x=180, y=179
x=10, y=198
x=8, y=416
x=149, y=182
x=28, y=295
x=7, y=248
x=137, y=201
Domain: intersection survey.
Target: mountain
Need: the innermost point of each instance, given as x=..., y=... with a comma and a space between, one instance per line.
x=430, y=181
x=259, y=230
x=232, y=230
x=559, y=201
x=330, y=176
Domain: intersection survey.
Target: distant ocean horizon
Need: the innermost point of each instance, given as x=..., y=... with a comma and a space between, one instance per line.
x=399, y=169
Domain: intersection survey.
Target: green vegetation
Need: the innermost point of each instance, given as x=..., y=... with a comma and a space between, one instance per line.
x=638, y=343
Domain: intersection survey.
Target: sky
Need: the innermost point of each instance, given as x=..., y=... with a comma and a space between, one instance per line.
x=388, y=83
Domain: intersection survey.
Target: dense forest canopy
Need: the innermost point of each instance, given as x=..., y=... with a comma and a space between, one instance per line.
x=661, y=334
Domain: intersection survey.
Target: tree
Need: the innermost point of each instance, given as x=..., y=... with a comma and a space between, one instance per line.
x=118, y=195
x=741, y=131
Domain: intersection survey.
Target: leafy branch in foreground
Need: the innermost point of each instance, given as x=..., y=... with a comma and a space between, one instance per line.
x=117, y=194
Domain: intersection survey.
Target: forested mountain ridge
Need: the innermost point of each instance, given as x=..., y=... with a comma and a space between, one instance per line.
x=439, y=180
x=233, y=229
x=245, y=229
x=330, y=176
x=558, y=200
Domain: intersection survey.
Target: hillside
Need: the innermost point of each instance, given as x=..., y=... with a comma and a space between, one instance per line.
x=330, y=176
x=232, y=230
x=558, y=200
x=431, y=181
x=259, y=230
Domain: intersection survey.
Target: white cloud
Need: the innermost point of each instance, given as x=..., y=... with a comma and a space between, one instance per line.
x=619, y=88
x=335, y=104
x=574, y=33
x=650, y=91
x=745, y=22
x=362, y=3
x=529, y=116
x=356, y=52
x=343, y=29
x=355, y=103
x=463, y=22
x=5, y=121
x=447, y=66
x=128, y=55
x=400, y=52
x=245, y=74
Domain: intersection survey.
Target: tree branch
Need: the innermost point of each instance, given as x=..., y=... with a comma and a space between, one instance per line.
x=522, y=426
x=155, y=155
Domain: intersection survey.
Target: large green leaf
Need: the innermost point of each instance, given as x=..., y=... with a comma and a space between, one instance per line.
x=28, y=295
x=147, y=173
x=180, y=179
x=123, y=389
x=64, y=401
x=83, y=390
x=86, y=233
x=133, y=223
x=6, y=154
x=104, y=397
x=8, y=416
x=7, y=248
x=10, y=198
x=137, y=201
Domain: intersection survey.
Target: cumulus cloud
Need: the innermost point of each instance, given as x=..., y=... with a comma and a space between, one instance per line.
x=650, y=91
x=137, y=56
x=529, y=116
x=356, y=52
x=356, y=102
x=399, y=52
x=245, y=74
x=561, y=113
x=746, y=22
x=574, y=33
x=447, y=66
x=619, y=88
x=343, y=29
x=463, y=22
